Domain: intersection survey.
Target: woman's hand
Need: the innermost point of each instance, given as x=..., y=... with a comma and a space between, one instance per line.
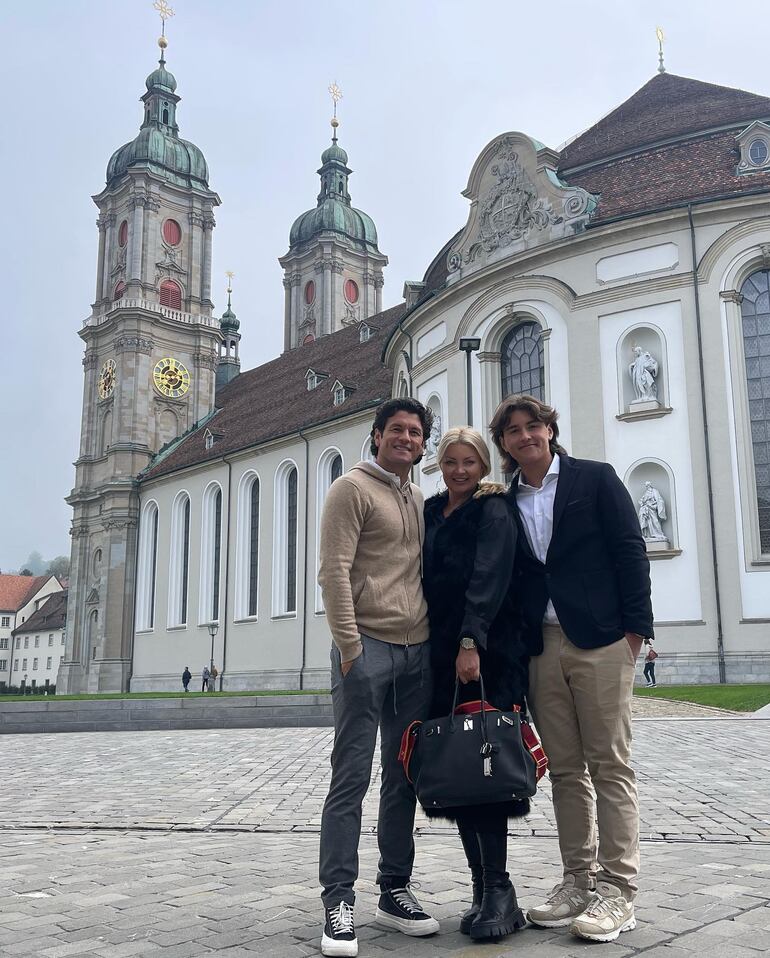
x=468, y=666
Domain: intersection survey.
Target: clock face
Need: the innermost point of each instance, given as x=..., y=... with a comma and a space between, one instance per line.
x=106, y=381
x=171, y=377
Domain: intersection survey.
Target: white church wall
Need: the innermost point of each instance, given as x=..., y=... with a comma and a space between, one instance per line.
x=676, y=586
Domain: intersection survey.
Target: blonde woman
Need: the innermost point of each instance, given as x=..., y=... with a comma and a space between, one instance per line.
x=467, y=571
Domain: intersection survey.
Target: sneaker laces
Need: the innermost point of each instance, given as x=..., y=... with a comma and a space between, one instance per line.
x=406, y=899
x=602, y=907
x=561, y=893
x=341, y=919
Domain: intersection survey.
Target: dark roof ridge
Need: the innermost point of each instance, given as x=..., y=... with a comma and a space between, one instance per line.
x=667, y=105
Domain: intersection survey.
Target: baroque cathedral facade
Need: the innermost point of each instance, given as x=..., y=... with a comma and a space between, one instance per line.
x=625, y=279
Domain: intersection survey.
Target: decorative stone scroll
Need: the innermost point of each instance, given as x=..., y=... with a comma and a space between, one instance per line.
x=517, y=202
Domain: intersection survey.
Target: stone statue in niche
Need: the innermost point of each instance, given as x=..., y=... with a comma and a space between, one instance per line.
x=643, y=369
x=652, y=513
x=431, y=446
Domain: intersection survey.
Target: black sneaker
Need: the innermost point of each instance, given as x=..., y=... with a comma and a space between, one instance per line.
x=399, y=909
x=339, y=936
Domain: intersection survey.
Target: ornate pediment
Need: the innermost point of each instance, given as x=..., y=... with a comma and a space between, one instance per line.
x=517, y=202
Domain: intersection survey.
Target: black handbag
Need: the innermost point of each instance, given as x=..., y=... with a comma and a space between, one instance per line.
x=476, y=755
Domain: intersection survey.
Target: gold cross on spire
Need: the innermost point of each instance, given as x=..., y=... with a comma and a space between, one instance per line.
x=336, y=95
x=166, y=13
x=661, y=37
x=229, y=274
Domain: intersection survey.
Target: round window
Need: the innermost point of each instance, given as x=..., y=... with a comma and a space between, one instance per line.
x=351, y=291
x=123, y=234
x=172, y=232
x=310, y=292
x=310, y=338
x=758, y=152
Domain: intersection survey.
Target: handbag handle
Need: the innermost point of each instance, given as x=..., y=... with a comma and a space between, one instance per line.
x=483, y=721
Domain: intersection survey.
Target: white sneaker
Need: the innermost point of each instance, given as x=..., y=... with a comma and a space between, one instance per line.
x=606, y=917
x=339, y=934
x=565, y=902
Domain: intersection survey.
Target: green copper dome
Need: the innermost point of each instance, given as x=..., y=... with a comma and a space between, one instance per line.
x=158, y=146
x=229, y=321
x=334, y=212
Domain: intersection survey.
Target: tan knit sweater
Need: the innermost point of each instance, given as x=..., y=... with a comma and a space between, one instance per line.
x=371, y=561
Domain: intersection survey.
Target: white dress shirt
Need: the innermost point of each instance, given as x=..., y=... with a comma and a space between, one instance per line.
x=536, y=510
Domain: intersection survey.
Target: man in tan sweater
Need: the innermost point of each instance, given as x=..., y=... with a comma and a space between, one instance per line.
x=370, y=575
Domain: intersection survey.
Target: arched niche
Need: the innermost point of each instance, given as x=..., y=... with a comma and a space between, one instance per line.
x=661, y=481
x=643, y=345
x=433, y=403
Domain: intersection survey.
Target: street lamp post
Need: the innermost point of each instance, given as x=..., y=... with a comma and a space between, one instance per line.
x=213, y=629
x=468, y=345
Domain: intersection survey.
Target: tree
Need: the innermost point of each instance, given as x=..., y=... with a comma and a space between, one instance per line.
x=35, y=563
x=60, y=567
x=26, y=572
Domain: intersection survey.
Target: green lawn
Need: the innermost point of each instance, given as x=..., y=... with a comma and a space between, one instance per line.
x=154, y=695
x=738, y=698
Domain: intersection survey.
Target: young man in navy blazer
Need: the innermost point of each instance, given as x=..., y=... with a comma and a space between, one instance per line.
x=583, y=580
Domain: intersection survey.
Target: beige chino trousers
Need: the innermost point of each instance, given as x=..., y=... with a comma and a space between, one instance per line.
x=581, y=703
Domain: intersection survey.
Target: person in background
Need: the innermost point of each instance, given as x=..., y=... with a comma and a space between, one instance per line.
x=205, y=676
x=649, y=663
x=186, y=678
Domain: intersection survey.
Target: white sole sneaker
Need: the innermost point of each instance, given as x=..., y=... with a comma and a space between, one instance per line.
x=608, y=936
x=416, y=929
x=338, y=949
x=551, y=922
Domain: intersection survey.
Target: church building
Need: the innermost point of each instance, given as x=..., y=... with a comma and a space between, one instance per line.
x=625, y=279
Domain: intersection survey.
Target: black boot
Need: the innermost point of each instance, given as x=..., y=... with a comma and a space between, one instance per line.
x=499, y=913
x=470, y=842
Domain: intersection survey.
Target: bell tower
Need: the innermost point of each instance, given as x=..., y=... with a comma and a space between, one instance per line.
x=333, y=270
x=151, y=350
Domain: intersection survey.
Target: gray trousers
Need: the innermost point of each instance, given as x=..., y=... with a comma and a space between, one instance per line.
x=387, y=687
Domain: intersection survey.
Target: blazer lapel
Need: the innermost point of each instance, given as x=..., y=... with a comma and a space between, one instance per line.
x=523, y=537
x=567, y=475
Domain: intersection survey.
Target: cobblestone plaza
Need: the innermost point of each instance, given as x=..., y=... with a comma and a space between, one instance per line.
x=192, y=843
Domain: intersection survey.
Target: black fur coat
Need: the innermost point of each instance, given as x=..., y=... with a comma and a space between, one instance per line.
x=467, y=573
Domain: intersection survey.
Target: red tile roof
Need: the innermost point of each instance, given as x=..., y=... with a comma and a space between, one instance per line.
x=666, y=107
x=273, y=400
x=17, y=590
x=51, y=615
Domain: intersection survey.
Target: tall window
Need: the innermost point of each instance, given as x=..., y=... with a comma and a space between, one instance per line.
x=521, y=361
x=329, y=469
x=291, y=541
x=285, y=540
x=755, y=314
x=211, y=553
x=247, y=548
x=148, y=559
x=179, y=560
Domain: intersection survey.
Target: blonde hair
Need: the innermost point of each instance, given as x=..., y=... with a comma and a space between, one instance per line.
x=468, y=437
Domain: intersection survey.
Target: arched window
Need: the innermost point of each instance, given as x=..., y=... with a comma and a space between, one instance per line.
x=123, y=234
x=329, y=469
x=170, y=294
x=148, y=561
x=211, y=554
x=247, y=564
x=522, y=361
x=179, y=560
x=285, y=540
x=755, y=328
x=120, y=290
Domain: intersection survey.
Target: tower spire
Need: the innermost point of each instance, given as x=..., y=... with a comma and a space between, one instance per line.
x=661, y=37
x=165, y=12
x=336, y=95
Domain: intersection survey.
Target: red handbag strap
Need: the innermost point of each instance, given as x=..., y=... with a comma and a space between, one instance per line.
x=535, y=749
x=474, y=707
x=408, y=740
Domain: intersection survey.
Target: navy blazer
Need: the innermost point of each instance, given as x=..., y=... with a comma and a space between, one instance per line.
x=596, y=571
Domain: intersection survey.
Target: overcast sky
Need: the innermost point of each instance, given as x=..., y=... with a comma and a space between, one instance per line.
x=426, y=85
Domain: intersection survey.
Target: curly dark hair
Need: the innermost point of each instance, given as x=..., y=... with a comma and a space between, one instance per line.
x=401, y=404
x=532, y=407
